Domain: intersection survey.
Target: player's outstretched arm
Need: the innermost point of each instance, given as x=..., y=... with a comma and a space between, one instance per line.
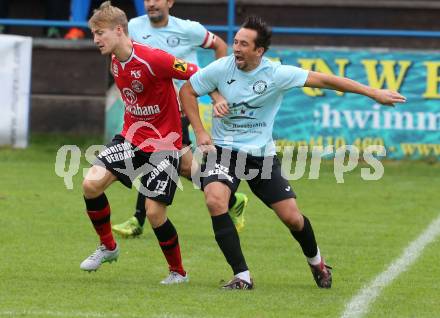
x=343, y=84
x=188, y=99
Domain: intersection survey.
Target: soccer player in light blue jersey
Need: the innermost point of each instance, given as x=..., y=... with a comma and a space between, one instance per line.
x=180, y=38
x=242, y=144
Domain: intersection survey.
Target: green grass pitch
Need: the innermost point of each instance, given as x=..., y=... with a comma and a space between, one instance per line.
x=361, y=227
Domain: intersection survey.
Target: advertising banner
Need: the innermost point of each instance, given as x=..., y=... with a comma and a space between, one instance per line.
x=15, y=74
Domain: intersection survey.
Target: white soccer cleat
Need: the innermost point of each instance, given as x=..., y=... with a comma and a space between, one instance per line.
x=101, y=255
x=175, y=278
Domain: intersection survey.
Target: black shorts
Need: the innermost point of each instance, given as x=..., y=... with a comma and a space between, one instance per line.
x=158, y=170
x=186, y=141
x=263, y=174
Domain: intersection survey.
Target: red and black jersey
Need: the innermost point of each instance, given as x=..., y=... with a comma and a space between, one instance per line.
x=145, y=80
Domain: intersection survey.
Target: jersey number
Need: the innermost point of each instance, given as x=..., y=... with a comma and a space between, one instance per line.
x=161, y=186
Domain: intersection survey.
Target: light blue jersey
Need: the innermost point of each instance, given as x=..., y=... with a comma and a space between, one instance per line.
x=254, y=99
x=180, y=37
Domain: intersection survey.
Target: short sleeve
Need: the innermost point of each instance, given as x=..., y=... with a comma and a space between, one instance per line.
x=206, y=80
x=133, y=27
x=130, y=28
x=165, y=65
x=197, y=33
x=288, y=76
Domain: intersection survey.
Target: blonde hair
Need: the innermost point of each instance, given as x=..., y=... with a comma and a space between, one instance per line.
x=109, y=16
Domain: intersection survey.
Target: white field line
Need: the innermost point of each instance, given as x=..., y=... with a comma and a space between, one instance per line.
x=358, y=306
x=80, y=314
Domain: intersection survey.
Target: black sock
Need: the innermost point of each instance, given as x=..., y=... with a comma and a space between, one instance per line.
x=229, y=242
x=165, y=232
x=232, y=200
x=140, y=213
x=306, y=238
x=97, y=203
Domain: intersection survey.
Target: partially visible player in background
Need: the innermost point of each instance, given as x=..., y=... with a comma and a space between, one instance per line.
x=180, y=38
x=149, y=143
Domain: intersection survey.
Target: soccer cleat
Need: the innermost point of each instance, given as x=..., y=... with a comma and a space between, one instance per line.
x=75, y=34
x=175, y=278
x=322, y=274
x=101, y=255
x=129, y=228
x=238, y=283
x=237, y=211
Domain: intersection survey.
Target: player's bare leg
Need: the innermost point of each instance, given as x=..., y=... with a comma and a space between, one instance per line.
x=187, y=163
x=301, y=229
x=97, y=180
x=168, y=241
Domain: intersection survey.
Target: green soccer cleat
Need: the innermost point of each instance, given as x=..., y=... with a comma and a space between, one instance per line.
x=237, y=211
x=130, y=228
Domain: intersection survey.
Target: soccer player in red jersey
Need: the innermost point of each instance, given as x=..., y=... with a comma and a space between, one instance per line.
x=149, y=143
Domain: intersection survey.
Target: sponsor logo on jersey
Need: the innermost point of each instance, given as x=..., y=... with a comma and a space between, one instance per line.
x=180, y=65
x=173, y=41
x=129, y=95
x=137, y=86
x=115, y=70
x=259, y=87
x=230, y=81
x=135, y=73
x=143, y=110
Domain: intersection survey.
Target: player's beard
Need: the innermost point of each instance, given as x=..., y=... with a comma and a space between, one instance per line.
x=156, y=19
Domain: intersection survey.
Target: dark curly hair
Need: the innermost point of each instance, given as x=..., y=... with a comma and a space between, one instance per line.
x=264, y=33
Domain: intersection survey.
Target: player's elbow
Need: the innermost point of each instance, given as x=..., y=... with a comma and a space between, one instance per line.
x=183, y=96
x=183, y=91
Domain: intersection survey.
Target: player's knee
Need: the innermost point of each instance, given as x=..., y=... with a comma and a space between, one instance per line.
x=90, y=189
x=295, y=221
x=156, y=213
x=292, y=217
x=185, y=169
x=186, y=164
x=215, y=202
x=153, y=217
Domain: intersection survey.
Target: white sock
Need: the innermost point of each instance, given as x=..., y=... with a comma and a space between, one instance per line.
x=314, y=260
x=246, y=276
